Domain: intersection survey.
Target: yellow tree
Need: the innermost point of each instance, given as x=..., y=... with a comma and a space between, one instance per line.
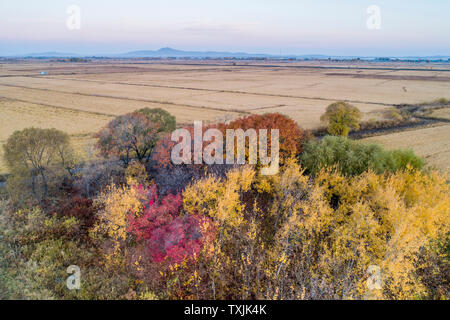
x=331, y=237
x=116, y=203
x=341, y=117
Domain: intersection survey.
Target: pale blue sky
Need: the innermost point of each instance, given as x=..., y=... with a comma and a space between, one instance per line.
x=333, y=27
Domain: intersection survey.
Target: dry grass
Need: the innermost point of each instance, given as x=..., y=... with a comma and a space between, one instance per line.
x=16, y=115
x=433, y=144
x=441, y=113
x=112, y=106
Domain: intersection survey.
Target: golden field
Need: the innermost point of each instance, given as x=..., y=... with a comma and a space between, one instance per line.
x=441, y=113
x=80, y=98
x=433, y=144
x=17, y=115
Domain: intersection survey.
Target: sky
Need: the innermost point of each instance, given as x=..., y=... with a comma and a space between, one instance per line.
x=330, y=27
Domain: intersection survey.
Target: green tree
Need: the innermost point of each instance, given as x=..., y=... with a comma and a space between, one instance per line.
x=340, y=118
x=32, y=152
x=167, y=122
x=353, y=157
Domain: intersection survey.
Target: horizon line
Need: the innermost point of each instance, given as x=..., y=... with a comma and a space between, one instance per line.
x=55, y=53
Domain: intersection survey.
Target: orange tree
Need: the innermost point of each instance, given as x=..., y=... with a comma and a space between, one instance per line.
x=291, y=136
x=290, y=133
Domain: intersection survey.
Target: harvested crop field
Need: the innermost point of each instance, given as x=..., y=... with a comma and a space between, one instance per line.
x=80, y=98
x=433, y=144
x=441, y=114
x=17, y=115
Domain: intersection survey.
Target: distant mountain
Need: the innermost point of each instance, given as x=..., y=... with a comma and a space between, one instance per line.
x=174, y=53
x=169, y=52
x=52, y=55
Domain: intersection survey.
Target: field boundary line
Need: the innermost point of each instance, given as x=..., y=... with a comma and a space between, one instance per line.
x=59, y=107
x=129, y=99
x=390, y=131
x=221, y=91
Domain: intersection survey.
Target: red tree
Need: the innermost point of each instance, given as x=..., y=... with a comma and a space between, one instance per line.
x=290, y=133
x=163, y=149
x=291, y=136
x=168, y=234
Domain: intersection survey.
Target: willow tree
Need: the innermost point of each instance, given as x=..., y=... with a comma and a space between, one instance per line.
x=341, y=117
x=33, y=152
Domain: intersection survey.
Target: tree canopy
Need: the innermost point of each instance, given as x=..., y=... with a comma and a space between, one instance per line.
x=167, y=122
x=341, y=117
x=354, y=157
x=32, y=151
x=127, y=136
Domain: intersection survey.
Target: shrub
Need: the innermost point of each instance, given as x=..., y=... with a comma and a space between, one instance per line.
x=394, y=114
x=403, y=158
x=82, y=209
x=365, y=220
x=115, y=203
x=167, y=234
x=36, y=248
x=35, y=251
x=442, y=101
x=220, y=198
x=93, y=176
x=434, y=268
x=136, y=174
x=341, y=117
x=353, y=157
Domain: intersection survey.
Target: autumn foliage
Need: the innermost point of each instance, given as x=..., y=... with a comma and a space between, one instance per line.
x=128, y=136
x=340, y=220
x=290, y=133
x=167, y=233
x=341, y=117
x=163, y=149
x=318, y=237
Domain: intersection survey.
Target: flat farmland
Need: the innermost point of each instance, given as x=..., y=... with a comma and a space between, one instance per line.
x=17, y=115
x=80, y=98
x=441, y=113
x=433, y=144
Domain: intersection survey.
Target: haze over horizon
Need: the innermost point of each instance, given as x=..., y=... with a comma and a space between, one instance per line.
x=286, y=27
